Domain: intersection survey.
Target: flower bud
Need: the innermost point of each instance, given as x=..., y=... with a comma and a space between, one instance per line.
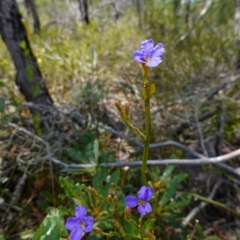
x=117, y=225
x=157, y=185
x=127, y=109
x=150, y=184
x=109, y=198
x=118, y=106
x=149, y=235
x=92, y=190
x=127, y=213
x=115, y=199
x=97, y=230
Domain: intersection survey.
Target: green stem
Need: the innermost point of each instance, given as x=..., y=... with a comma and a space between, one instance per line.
x=130, y=125
x=147, y=140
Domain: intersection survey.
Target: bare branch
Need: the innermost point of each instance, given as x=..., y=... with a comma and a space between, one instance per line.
x=202, y=205
x=78, y=118
x=165, y=162
x=206, y=7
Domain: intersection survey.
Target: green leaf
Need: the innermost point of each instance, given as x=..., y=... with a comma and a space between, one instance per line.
x=49, y=197
x=96, y=150
x=52, y=227
x=75, y=154
x=131, y=229
x=102, y=183
x=2, y=84
x=74, y=190
x=213, y=238
x=104, y=191
x=167, y=172
x=172, y=188
x=99, y=177
x=42, y=204
x=172, y=220
x=93, y=237
x=63, y=210
x=8, y=118
x=2, y=104
x=148, y=91
x=27, y=234
x=115, y=177
x=179, y=203
x=149, y=224
x=152, y=89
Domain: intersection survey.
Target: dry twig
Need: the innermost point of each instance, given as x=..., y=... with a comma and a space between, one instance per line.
x=202, y=205
x=165, y=162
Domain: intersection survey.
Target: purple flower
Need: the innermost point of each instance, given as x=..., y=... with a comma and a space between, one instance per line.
x=80, y=224
x=149, y=55
x=144, y=195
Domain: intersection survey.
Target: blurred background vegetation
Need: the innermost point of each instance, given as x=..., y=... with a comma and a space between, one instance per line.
x=87, y=65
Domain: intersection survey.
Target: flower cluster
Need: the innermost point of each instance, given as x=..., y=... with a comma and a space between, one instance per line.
x=144, y=195
x=80, y=224
x=149, y=55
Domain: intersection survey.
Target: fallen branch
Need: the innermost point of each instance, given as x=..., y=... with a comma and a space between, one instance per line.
x=202, y=205
x=165, y=162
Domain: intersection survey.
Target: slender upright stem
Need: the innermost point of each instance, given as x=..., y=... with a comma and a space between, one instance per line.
x=146, y=97
x=147, y=141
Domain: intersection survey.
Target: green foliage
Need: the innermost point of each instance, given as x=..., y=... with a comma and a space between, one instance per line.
x=109, y=213
x=5, y=118
x=131, y=230
x=87, y=149
x=2, y=104
x=171, y=189
x=52, y=227
x=213, y=238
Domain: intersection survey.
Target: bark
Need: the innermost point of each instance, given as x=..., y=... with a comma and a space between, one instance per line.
x=187, y=15
x=31, y=8
x=28, y=75
x=117, y=10
x=139, y=12
x=176, y=7
x=83, y=7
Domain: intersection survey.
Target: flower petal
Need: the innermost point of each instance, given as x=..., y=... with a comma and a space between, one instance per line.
x=154, y=62
x=145, y=193
x=157, y=51
x=131, y=201
x=144, y=209
x=72, y=223
x=88, y=224
x=148, y=207
x=139, y=56
x=80, y=212
x=76, y=234
x=147, y=46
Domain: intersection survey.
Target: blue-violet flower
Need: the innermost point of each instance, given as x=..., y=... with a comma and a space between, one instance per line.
x=144, y=195
x=149, y=55
x=80, y=224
